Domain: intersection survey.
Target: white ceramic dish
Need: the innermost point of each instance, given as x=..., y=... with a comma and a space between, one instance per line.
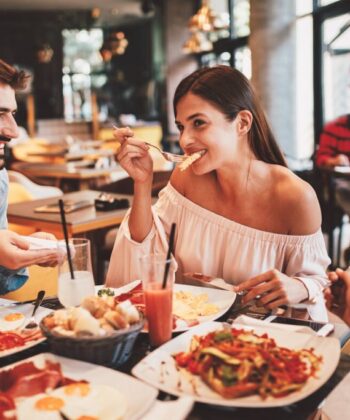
x=26, y=310
x=139, y=395
x=159, y=369
x=221, y=298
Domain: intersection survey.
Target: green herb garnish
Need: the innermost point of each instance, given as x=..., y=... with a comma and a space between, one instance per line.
x=106, y=292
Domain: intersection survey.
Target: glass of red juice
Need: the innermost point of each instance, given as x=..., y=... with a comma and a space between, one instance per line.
x=158, y=299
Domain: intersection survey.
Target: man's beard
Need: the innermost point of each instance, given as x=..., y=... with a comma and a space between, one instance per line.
x=5, y=138
x=2, y=159
x=2, y=151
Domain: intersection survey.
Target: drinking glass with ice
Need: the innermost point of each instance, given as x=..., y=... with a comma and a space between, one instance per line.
x=71, y=292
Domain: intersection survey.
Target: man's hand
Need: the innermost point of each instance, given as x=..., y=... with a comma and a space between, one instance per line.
x=15, y=253
x=339, y=160
x=338, y=295
x=53, y=259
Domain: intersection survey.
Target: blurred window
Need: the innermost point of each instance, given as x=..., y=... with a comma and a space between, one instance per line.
x=304, y=87
x=336, y=70
x=82, y=65
x=243, y=61
x=241, y=15
x=230, y=43
x=303, y=7
x=325, y=2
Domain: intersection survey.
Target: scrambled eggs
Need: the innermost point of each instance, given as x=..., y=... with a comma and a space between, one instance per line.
x=188, y=306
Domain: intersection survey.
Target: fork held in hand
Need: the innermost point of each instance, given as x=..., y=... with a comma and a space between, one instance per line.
x=171, y=157
x=39, y=299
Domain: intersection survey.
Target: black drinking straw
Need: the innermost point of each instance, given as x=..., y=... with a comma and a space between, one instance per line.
x=65, y=232
x=170, y=251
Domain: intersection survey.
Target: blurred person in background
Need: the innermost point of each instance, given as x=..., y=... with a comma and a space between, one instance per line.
x=334, y=150
x=334, y=146
x=12, y=247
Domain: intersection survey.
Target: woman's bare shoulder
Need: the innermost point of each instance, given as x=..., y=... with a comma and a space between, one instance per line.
x=179, y=179
x=188, y=184
x=298, y=203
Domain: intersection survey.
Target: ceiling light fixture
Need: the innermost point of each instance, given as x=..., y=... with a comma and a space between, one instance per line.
x=200, y=25
x=203, y=20
x=115, y=44
x=204, y=26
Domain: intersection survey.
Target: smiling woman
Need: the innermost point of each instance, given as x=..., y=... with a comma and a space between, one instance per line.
x=241, y=215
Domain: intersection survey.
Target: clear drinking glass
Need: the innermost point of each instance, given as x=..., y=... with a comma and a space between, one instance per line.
x=71, y=292
x=158, y=300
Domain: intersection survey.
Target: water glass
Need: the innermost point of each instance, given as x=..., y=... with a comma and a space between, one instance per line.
x=71, y=292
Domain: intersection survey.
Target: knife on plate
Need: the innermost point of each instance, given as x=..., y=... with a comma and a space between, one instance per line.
x=4, y=303
x=199, y=279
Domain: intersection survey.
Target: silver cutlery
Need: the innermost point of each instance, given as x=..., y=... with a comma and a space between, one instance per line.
x=171, y=157
x=10, y=304
x=32, y=323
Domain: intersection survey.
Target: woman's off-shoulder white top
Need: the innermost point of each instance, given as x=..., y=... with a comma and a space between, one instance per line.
x=211, y=244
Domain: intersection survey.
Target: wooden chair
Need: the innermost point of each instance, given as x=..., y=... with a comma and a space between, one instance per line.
x=22, y=189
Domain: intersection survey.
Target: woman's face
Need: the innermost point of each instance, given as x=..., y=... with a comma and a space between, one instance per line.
x=204, y=128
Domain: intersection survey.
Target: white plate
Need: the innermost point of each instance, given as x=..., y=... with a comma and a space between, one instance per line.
x=140, y=396
x=159, y=368
x=26, y=310
x=223, y=299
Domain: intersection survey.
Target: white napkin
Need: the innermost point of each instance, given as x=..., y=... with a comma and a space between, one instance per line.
x=48, y=244
x=174, y=410
x=337, y=403
x=253, y=322
x=40, y=243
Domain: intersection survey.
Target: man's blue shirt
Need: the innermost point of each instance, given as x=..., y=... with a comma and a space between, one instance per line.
x=9, y=279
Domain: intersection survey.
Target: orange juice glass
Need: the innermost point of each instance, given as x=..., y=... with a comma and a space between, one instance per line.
x=158, y=300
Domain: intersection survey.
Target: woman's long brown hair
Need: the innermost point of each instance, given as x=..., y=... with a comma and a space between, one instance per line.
x=231, y=92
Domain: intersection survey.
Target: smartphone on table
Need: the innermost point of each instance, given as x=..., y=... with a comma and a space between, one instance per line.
x=321, y=328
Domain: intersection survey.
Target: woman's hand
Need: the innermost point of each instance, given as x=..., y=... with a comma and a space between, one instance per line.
x=273, y=289
x=133, y=156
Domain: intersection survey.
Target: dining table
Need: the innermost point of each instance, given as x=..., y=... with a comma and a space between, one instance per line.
x=88, y=222
x=71, y=176
x=302, y=410
x=79, y=222
x=59, y=152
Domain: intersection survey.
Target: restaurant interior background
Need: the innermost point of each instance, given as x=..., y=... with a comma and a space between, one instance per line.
x=94, y=64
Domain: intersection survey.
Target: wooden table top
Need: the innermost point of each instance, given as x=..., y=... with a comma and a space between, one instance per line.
x=72, y=170
x=80, y=221
x=336, y=170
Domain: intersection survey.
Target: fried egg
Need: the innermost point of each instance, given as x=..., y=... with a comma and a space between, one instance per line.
x=91, y=401
x=11, y=321
x=40, y=407
x=76, y=401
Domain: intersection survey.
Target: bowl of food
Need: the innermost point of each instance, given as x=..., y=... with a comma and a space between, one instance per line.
x=98, y=331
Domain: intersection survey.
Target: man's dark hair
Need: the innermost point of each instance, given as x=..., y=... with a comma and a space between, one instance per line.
x=9, y=75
